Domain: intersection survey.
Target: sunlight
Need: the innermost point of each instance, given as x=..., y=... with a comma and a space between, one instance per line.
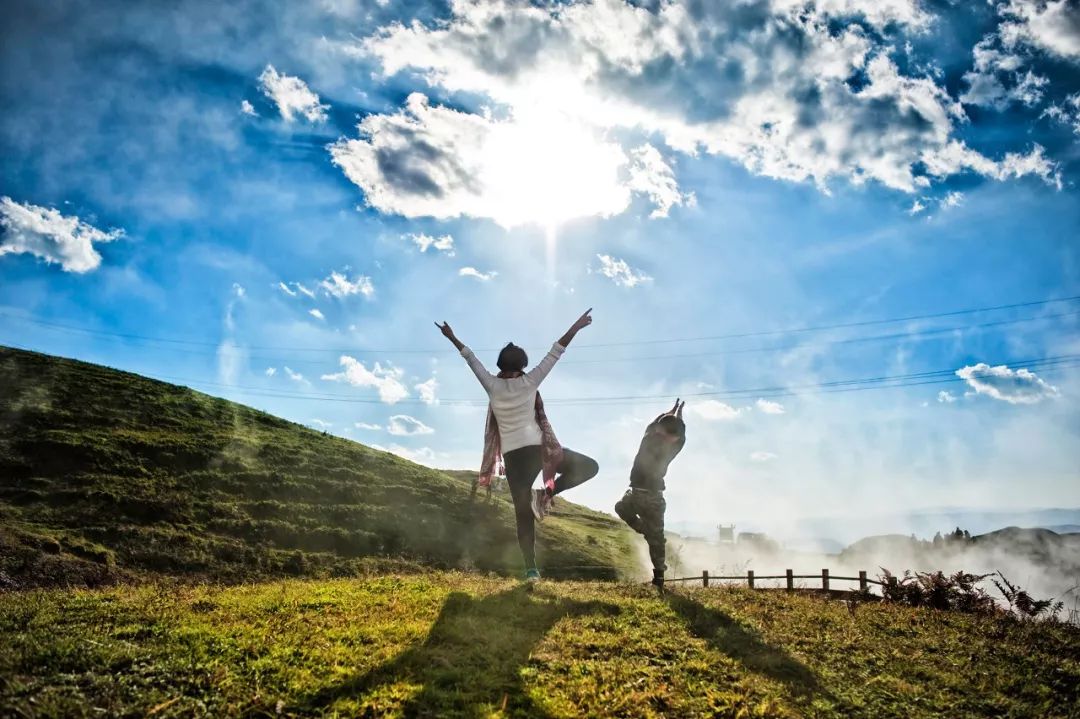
x=543, y=168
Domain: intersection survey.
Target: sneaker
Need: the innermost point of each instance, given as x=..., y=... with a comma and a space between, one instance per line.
x=539, y=498
x=532, y=575
x=549, y=502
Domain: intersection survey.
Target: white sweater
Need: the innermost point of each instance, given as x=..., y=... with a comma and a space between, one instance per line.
x=514, y=400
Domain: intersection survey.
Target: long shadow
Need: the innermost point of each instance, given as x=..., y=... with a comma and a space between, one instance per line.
x=743, y=644
x=471, y=661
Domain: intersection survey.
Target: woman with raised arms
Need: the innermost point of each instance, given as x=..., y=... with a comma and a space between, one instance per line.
x=518, y=433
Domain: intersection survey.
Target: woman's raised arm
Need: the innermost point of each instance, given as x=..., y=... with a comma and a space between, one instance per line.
x=485, y=377
x=449, y=334
x=580, y=323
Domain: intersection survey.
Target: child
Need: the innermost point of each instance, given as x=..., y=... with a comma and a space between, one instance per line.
x=643, y=505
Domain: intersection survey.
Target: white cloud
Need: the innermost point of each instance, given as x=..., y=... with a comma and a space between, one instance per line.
x=285, y=288
x=878, y=13
x=426, y=391
x=270, y=371
x=367, y=426
x=387, y=380
x=248, y=109
x=317, y=314
x=956, y=157
x=916, y=207
x=952, y=199
x=402, y=425
x=434, y=161
x=291, y=95
x=652, y=176
x=713, y=410
x=1050, y=25
x=473, y=272
x=762, y=456
x=321, y=424
x=423, y=455
x=1067, y=113
x=48, y=235
x=946, y=397
x=569, y=91
x=995, y=79
x=444, y=244
x=769, y=407
x=296, y=377
x=339, y=285
x=619, y=272
x=1002, y=383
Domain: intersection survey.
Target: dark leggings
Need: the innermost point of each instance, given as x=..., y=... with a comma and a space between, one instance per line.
x=522, y=466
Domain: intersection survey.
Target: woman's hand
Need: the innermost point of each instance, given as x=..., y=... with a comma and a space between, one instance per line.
x=448, y=333
x=580, y=323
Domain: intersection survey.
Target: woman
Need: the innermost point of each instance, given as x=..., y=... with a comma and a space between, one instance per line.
x=517, y=428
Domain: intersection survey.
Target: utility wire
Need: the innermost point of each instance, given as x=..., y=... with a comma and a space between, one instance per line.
x=910, y=336
x=740, y=335
x=1043, y=364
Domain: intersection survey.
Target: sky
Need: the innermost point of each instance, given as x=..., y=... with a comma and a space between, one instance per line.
x=765, y=202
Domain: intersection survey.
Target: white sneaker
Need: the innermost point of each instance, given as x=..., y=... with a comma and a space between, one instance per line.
x=549, y=502
x=537, y=504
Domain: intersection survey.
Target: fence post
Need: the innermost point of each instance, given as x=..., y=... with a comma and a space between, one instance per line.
x=705, y=578
x=862, y=580
x=750, y=578
x=825, y=579
x=790, y=581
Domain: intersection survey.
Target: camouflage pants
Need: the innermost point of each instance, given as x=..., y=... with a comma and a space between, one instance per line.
x=644, y=510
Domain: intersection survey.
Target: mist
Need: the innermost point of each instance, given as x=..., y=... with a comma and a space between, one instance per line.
x=1043, y=562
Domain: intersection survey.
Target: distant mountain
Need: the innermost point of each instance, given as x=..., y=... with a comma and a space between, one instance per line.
x=106, y=473
x=843, y=530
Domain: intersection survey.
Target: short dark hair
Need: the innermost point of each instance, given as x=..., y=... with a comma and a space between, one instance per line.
x=512, y=358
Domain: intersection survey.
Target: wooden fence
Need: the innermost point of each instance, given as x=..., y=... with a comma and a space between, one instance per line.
x=750, y=578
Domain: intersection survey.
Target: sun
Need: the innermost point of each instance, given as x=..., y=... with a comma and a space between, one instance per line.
x=544, y=168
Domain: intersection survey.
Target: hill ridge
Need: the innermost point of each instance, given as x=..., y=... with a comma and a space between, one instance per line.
x=106, y=474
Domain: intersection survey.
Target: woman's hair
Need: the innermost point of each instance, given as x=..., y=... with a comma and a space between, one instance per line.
x=512, y=358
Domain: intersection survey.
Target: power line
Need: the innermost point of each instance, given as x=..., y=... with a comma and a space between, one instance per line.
x=910, y=336
x=741, y=335
x=1044, y=364
x=846, y=325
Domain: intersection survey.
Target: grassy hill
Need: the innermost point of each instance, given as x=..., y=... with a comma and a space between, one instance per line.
x=452, y=644
x=107, y=474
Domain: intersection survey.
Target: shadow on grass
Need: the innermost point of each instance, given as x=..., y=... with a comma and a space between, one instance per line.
x=743, y=644
x=471, y=662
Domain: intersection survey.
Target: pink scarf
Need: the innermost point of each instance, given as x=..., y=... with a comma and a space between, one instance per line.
x=551, y=452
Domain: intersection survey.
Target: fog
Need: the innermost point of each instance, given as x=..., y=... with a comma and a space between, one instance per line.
x=1044, y=563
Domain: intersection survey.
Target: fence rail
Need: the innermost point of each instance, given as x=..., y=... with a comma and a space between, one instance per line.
x=750, y=578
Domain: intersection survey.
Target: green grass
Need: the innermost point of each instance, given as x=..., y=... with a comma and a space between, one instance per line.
x=106, y=475
x=460, y=644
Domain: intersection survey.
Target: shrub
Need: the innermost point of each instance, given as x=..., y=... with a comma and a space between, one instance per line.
x=956, y=592
x=1022, y=605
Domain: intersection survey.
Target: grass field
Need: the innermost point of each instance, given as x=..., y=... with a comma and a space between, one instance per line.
x=459, y=644
x=106, y=475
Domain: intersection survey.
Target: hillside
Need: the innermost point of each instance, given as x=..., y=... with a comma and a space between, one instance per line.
x=463, y=645
x=106, y=474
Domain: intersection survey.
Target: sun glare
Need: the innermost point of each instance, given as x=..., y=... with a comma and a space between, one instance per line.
x=546, y=169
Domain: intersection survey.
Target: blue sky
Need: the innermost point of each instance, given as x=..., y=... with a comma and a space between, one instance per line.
x=291, y=193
